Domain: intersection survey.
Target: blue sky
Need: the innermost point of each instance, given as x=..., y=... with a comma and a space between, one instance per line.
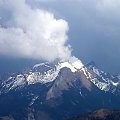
x=92, y=31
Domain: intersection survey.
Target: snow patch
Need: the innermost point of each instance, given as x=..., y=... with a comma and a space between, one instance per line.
x=95, y=70
x=41, y=64
x=115, y=84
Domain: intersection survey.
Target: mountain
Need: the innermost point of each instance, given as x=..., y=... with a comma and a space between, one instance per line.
x=101, y=114
x=58, y=91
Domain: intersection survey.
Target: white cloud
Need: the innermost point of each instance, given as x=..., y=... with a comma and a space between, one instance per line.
x=32, y=33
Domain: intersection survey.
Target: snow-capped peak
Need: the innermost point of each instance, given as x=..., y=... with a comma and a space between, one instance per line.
x=68, y=65
x=73, y=64
x=76, y=63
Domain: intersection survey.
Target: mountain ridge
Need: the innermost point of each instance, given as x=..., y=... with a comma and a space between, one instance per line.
x=101, y=114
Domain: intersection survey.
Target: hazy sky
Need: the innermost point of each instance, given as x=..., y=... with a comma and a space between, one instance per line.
x=93, y=28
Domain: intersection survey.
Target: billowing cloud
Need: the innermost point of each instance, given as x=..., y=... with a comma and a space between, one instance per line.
x=32, y=33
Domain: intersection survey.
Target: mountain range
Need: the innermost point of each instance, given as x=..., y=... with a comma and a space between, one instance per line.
x=57, y=91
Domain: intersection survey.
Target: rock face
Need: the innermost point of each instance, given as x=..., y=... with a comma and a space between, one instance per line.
x=58, y=91
x=102, y=114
